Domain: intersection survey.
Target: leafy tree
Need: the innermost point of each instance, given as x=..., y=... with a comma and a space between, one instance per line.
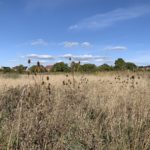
x=76, y=67
x=6, y=69
x=37, y=69
x=105, y=67
x=131, y=66
x=88, y=68
x=60, y=67
x=20, y=69
x=120, y=64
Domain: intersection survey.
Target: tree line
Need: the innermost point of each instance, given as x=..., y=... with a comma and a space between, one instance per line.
x=120, y=64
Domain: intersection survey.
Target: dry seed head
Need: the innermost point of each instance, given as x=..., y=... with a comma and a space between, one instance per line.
x=29, y=61
x=47, y=78
x=133, y=77
x=63, y=82
x=38, y=64
x=29, y=94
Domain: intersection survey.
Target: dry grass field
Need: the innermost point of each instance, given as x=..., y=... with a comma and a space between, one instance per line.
x=107, y=111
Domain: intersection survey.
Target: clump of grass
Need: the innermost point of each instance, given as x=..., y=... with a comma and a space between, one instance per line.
x=10, y=76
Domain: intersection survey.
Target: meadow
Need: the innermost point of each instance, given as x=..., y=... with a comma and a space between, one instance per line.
x=105, y=111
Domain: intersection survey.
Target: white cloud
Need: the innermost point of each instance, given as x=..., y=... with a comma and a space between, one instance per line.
x=74, y=27
x=39, y=42
x=68, y=44
x=41, y=61
x=99, y=60
x=116, y=48
x=86, y=45
x=107, y=19
x=67, y=56
x=83, y=57
x=59, y=61
x=35, y=56
x=85, y=61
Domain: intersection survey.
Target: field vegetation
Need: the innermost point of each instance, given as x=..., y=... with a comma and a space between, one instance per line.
x=71, y=111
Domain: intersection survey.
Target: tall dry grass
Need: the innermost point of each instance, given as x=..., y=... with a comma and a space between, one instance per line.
x=108, y=111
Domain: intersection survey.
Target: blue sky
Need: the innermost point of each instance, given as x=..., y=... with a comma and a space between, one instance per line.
x=90, y=31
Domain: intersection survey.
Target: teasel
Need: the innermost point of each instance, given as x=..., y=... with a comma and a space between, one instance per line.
x=132, y=77
x=38, y=64
x=29, y=61
x=49, y=88
x=47, y=78
x=63, y=83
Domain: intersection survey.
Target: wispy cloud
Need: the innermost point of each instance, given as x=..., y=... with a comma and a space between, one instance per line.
x=39, y=42
x=71, y=44
x=84, y=57
x=110, y=18
x=35, y=42
x=86, y=45
x=42, y=57
x=41, y=61
x=116, y=48
x=68, y=44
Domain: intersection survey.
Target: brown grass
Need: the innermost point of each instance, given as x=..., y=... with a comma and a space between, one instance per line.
x=108, y=111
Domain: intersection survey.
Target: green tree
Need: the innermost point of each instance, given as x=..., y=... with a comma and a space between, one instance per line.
x=20, y=69
x=6, y=69
x=105, y=67
x=60, y=67
x=120, y=64
x=88, y=68
x=131, y=66
x=37, y=69
x=76, y=67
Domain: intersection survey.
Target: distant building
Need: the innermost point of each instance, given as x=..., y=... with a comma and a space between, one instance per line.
x=22, y=67
x=145, y=68
x=49, y=67
x=5, y=68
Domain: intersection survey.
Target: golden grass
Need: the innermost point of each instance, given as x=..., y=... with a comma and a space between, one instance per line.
x=104, y=111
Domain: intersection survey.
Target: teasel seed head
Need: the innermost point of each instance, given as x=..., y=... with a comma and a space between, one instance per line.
x=47, y=78
x=38, y=64
x=29, y=61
